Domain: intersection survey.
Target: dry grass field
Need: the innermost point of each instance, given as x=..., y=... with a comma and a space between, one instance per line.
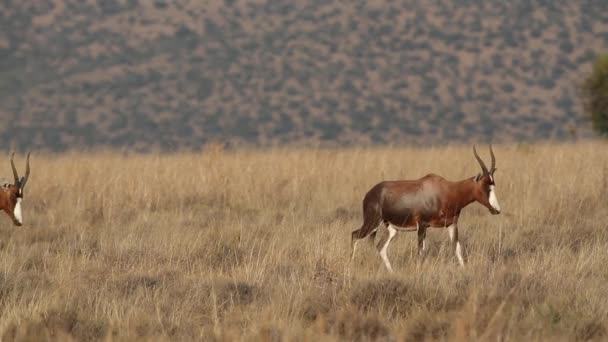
x=254, y=245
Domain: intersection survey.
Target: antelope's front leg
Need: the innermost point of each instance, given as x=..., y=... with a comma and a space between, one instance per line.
x=453, y=231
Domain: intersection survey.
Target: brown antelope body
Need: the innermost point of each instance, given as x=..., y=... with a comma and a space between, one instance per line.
x=431, y=201
x=11, y=195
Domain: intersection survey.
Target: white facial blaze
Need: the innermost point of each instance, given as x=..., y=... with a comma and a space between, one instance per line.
x=17, y=211
x=493, y=200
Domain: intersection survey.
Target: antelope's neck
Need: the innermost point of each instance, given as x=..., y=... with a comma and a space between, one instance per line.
x=464, y=193
x=3, y=200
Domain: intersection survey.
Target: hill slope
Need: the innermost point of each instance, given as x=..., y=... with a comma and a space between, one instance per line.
x=177, y=74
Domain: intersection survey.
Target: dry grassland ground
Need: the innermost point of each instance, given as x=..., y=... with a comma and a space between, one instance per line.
x=254, y=245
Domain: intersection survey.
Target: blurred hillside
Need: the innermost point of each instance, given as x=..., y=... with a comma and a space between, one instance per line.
x=176, y=74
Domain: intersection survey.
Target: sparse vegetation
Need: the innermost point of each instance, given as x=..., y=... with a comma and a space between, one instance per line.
x=254, y=245
x=594, y=92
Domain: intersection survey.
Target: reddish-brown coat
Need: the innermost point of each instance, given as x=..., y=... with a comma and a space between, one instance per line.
x=430, y=201
x=10, y=194
x=8, y=200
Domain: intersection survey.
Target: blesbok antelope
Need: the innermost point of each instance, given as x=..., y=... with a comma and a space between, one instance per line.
x=431, y=201
x=11, y=195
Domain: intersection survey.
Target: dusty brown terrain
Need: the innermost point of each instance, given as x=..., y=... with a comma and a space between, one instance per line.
x=169, y=74
x=255, y=246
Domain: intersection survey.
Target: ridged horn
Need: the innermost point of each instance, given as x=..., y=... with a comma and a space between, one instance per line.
x=483, y=166
x=493, y=167
x=15, y=174
x=27, y=171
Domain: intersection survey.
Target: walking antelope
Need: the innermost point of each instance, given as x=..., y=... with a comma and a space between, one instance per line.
x=12, y=194
x=431, y=201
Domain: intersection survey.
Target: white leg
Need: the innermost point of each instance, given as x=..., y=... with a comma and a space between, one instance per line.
x=459, y=254
x=453, y=231
x=383, y=252
x=352, y=255
x=421, y=241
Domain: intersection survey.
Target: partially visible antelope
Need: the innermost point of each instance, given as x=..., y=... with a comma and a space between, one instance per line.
x=11, y=195
x=431, y=201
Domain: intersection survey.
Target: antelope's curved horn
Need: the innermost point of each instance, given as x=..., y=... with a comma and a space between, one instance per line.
x=493, y=167
x=27, y=171
x=483, y=166
x=15, y=174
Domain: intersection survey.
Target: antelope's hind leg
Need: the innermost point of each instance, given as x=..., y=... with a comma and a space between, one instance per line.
x=368, y=229
x=354, y=239
x=382, y=246
x=421, y=242
x=355, y=236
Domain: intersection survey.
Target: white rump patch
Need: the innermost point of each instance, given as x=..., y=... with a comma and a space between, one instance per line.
x=17, y=211
x=493, y=199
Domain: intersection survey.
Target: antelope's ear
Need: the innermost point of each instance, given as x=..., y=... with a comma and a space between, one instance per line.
x=478, y=177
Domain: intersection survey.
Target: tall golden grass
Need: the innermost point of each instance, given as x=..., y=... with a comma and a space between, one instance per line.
x=254, y=245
